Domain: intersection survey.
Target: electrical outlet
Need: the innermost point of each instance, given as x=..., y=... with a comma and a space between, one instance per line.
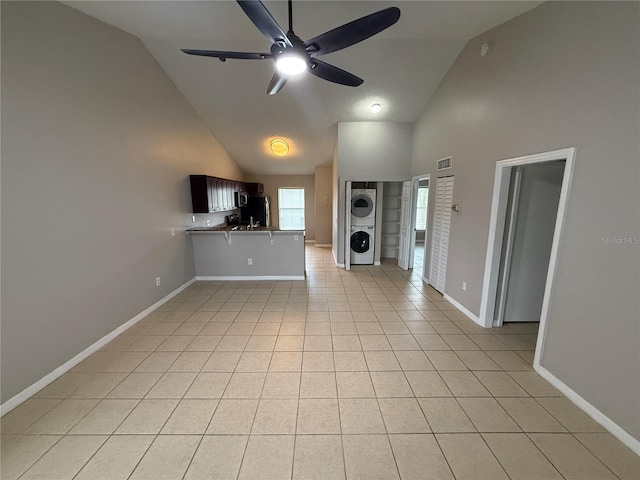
x=464, y=285
x=173, y=232
x=208, y=223
x=157, y=281
x=249, y=261
x=295, y=238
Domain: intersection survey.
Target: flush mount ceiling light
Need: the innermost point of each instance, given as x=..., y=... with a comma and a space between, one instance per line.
x=279, y=147
x=376, y=108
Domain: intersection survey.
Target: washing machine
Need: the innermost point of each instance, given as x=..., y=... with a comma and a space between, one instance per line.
x=361, y=242
x=363, y=207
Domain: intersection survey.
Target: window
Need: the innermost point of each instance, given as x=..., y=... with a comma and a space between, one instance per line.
x=291, y=208
x=421, y=208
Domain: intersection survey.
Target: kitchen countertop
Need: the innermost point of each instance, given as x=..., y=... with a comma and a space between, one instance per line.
x=243, y=229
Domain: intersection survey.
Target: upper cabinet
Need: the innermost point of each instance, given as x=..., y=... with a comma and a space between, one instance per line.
x=211, y=194
x=254, y=188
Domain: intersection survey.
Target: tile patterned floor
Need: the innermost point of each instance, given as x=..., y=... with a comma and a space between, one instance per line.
x=365, y=374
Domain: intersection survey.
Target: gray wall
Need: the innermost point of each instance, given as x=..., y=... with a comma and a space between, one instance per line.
x=97, y=146
x=271, y=185
x=565, y=74
x=323, y=204
x=371, y=152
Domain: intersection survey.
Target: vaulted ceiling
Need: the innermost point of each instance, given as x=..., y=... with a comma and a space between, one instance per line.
x=401, y=67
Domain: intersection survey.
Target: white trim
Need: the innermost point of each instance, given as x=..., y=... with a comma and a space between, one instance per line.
x=245, y=277
x=425, y=280
x=590, y=410
x=553, y=258
x=462, y=308
x=68, y=365
x=377, y=264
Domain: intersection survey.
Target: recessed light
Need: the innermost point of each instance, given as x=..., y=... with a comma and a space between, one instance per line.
x=279, y=147
x=376, y=108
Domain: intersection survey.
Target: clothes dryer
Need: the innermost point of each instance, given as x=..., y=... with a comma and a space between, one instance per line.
x=363, y=207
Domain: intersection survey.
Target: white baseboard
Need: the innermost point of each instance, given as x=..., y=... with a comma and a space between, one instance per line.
x=462, y=308
x=425, y=280
x=590, y=410
x=245, y=278
x=323, y=245
x=65, y=367
x=377, y=263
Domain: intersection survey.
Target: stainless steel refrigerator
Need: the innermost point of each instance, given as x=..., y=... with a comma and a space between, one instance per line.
x=258, y=208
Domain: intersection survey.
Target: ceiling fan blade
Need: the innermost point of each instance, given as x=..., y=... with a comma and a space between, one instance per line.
x=352, y=32
x=224, y=55
x=277, y=82
x=262, y=19
x=333, y=74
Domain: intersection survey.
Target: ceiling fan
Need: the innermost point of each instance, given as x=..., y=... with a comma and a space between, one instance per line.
x=293, y=56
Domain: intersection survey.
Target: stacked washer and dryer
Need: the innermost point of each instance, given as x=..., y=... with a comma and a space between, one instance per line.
x=363, y=226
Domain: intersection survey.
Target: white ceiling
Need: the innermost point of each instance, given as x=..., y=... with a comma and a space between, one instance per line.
x=401, y=67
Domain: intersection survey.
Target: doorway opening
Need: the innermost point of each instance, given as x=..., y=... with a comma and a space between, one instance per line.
x=529, y=202
x=419, y=227
x=532, y=207
x=414, y=200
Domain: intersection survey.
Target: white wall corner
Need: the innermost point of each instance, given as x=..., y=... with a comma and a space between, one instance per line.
x=28, y=392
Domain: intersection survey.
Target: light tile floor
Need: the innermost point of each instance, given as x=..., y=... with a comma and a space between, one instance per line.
x=367, y=374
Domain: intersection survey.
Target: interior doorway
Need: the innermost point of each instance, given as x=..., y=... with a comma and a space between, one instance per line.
x=421, y=209
x=532, y=207
x=413, y=225
x=501, y=212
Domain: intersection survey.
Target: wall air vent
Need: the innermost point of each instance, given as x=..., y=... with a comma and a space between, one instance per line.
x=444, y=164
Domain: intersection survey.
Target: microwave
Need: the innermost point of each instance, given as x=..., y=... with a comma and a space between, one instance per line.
x=241, y=199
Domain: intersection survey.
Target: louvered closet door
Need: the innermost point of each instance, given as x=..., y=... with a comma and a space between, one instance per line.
x=440, y=235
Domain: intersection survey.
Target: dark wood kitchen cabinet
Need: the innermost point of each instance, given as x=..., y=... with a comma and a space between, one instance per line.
x=254, y=188
x=211, y=194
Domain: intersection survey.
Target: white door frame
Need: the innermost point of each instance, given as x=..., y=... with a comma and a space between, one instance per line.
x=496, y=233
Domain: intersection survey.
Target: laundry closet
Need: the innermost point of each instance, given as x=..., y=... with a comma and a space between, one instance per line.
x=374, y=221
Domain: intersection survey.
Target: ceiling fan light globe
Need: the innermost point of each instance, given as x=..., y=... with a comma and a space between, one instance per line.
x=291, y=64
